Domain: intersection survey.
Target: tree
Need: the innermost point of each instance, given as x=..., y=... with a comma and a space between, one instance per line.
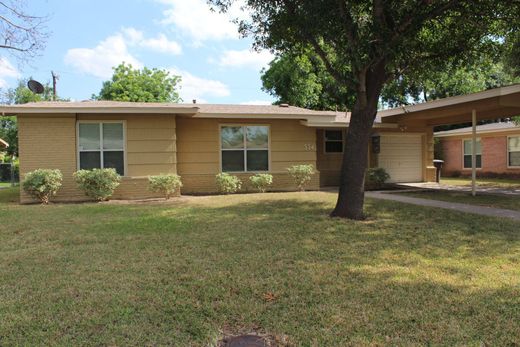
x=367, y=43
x=21, y=33
x=146, y=85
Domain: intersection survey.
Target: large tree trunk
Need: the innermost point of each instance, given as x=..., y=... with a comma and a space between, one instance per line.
x=355, y=157
x=355, y=161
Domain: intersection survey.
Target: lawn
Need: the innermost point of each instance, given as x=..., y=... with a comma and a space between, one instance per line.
x=186, y=272
x=483, y=182
x=498, y=201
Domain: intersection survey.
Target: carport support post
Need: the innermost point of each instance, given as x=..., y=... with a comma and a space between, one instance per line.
x=474, y=153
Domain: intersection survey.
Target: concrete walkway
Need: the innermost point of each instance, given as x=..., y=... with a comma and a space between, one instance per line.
x=480, y=189
x=454, y=206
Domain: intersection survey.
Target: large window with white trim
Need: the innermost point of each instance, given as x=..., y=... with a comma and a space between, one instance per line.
x=101, y=145
x=244, y=148
x=468, y=148
x=513, y=151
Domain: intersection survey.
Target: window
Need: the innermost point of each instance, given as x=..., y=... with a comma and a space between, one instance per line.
x=467, y=154
x=244, y=148
x=513, y=151
x=101, y=145
x=333, y=141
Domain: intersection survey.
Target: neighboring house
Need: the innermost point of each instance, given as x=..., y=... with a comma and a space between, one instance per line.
x=197, y=141
x=498, y=150
x=3, y=144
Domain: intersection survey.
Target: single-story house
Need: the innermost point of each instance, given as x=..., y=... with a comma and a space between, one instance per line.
x=498, y=149
x=197, y=141
x=3, y=144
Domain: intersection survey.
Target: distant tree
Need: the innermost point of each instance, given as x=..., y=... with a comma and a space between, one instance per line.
x=19, y=95
x=140, y=85
x=21, y=33
x=366, y=44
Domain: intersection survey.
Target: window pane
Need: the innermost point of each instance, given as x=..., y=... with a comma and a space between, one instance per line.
x=257, y=160
x=232, y=161
x=257, y=136
x=514, y=144
x=114, y=160
x=334, y=146
x=333, y=135
x=468, y=146
x=89, y=160
x=514, y=159
x=232, y=137
x=467, y=161
x=88, y=136
x=112, y=136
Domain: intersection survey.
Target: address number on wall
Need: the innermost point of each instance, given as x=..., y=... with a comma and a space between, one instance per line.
x=310, y=147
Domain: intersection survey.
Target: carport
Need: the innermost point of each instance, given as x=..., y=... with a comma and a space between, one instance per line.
x=503, y=102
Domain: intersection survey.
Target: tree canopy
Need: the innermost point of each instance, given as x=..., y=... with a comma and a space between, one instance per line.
x=366, y=44
x=140, y=85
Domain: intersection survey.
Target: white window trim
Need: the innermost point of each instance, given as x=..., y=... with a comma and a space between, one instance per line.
x=507, y=152
x=481, y=157
x=325, y=141
x=78, y=151
x=245, y=149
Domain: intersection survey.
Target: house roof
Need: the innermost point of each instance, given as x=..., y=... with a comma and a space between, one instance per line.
x=481, y=129
x=489, y=104
x=3, y=144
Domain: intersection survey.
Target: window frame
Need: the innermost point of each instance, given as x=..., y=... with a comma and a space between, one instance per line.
x=243, y=126
x=101, y=150
x=477, y=154
x=507, y=152
x=343, y=135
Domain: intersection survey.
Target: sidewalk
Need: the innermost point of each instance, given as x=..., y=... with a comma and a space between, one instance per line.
x=454, y=206
x=480, y=189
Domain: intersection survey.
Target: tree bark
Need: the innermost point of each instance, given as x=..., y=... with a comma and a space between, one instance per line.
x=351, y=195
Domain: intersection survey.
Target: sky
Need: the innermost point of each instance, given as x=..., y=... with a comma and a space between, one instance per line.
x=89, y=37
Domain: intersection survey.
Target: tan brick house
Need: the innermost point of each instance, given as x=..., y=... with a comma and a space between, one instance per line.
x=498, y=149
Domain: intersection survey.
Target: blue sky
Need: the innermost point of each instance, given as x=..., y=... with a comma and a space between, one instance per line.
x=88, y=37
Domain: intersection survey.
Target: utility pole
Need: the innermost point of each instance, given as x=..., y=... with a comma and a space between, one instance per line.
x=55, y=77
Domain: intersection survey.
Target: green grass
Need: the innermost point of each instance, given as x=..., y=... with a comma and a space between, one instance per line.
x=186, y=272
x=498, y=201
x=483, y=182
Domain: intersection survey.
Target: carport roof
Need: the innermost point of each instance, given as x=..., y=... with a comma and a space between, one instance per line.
x=495, y=103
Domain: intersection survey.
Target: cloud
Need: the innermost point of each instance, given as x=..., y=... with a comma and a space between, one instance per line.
x=194, y=87
x=257, y=102
x=196, y=19
x=114, y=50
x=98, y=61
x=7, y=70
x=160, y=43
x=245, y=58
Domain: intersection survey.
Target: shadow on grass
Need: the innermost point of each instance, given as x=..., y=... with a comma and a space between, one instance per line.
x=177, y=275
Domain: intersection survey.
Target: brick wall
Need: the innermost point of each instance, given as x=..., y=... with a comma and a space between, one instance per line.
x=494, y=156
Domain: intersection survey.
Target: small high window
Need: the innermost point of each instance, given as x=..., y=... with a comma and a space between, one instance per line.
x=333, y=141
x=101, y=145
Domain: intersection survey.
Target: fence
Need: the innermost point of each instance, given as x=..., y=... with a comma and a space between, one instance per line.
x=9, y=173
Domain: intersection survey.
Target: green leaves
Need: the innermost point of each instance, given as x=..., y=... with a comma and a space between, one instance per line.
x=145, y=85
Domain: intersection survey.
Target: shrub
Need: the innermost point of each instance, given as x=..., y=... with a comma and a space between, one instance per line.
x=41, y=184
x=376, y=177
x=166, y=184
x=227, y=183
x=301, y=174
x=98, y=184
x=261, y=181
